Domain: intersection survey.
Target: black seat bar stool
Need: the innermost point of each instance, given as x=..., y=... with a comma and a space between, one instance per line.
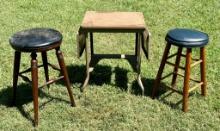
x=33, y=41
x=189, y=39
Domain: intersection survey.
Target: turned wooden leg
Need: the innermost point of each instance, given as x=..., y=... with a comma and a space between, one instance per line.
x=175, y=71
x=186, y=80
x=202, y=71
x=160, y=71
x=34, y=75
x=45, y=64
x=17, y=59
x=65, y=74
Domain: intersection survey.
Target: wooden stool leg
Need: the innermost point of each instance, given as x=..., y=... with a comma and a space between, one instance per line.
x=186, y=80
x=17, y=59
x=160, y=71
x=202, y=70
x=45, y=64
x=175, y=71
x=64, y=72
x=34, y=75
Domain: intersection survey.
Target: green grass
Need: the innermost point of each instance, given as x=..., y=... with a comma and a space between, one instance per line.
x=111, y=101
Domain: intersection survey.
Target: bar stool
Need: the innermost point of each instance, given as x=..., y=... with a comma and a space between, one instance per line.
x=33, y=41
x=184, y=38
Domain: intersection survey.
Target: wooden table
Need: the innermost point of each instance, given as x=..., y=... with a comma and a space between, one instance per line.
x=112, y=22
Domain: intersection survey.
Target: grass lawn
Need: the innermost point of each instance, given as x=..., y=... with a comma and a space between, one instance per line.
x=112, y=100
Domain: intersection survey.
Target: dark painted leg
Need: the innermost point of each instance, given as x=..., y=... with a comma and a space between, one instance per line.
x=160, y=71
x=91, y=43
x=203, y=72
x=136, y=43
x=17, y=59
x=186, y=80
x=175, y=71
x=65, y=74
x=34, y=75
x=45, y=64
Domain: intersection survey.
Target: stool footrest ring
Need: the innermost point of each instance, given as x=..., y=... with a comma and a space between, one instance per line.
x=175, y=90
x=193, y=79
x=169, y=63
x=51, y=81
x=196, y=86
x=29, y=69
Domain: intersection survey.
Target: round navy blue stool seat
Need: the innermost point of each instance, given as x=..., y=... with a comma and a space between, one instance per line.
x=33, y=41
x=36, y=39
x=187, y=38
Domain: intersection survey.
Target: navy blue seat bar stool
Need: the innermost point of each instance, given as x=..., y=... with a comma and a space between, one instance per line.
x=189, y=39
x=33, y=41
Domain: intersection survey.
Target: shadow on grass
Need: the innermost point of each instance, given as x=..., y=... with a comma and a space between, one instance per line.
x=99, y=76
x=148, y=85
x=173, y=105
x=102, y=75
x=121, y=79
x=23, y=97
x=162, y=97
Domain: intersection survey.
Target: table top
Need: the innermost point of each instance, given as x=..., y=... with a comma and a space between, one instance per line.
x=107, y=21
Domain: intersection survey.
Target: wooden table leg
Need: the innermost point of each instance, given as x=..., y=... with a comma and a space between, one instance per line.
x=139, y=39
x=34, y=75
x=86, y=81
x=17, y=59
x=186, y=80
x=65, y=74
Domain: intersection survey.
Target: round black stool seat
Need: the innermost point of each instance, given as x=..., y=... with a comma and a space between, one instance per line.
x=36, y=39
x=187, y=38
